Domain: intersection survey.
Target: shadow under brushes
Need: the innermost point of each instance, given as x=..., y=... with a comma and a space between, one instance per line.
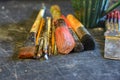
x=16, y=33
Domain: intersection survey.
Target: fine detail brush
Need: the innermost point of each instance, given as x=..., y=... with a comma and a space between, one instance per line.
x=29, y=49
x=49, y=24
x=53, y=43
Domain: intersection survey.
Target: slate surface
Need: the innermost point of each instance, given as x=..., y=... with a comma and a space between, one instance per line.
x=16, y=18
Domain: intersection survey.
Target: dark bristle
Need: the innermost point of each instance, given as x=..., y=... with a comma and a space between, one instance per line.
x=88, y=42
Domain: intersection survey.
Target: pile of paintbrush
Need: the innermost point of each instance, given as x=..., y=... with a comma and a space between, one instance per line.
x=41, y=40
x=113, y=21
x=58, y=34
x=34, y=43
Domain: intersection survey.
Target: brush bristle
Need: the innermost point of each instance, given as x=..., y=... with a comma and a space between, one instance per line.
x=88, y=42
x=26, y=52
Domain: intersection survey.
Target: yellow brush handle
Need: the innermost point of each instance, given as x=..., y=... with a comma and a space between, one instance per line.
x=55, y=12
x=49, y=27
x=38, y=20
x=53, y=38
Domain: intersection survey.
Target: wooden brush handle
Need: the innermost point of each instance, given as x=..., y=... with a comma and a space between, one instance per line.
x=39, y=30
x=55, y=12
x=36, y=24
x=77, y=26
x=46, y=35
x=49, y=28
x=74, y=22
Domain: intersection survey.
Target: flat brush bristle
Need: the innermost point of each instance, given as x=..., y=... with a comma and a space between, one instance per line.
x=88, y=42
x=26, y=52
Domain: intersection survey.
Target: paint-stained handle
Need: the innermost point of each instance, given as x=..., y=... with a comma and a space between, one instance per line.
x=77, y=26
x=39, y=30
x=49, y=28
x=38, y=20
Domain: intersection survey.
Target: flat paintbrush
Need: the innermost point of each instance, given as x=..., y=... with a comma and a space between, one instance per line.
x=29, y=49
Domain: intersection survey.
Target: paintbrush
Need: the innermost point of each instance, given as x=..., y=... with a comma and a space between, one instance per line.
x=53, y=43
x=29, y=49
x=46, y=36
x=78, y=45
x=63, y=38
x=83, y=34
x=49, y=35
x=39, y=40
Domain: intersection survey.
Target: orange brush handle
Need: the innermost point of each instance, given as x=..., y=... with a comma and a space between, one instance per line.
x=39, y=30
x=74, y=22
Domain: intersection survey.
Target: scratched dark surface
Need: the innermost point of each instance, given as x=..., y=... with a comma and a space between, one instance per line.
x=16, y=18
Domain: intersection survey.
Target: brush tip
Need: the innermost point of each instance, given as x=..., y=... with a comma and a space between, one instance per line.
x=46, y=56
x=88, y=42
x=26, y=52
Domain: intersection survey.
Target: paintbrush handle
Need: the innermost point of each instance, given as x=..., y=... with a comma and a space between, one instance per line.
x=53, y=38
x=55, y=12
x=39, y=30
x=36, y=24
x=49, y=34
x=82, y=33
x=40, y=51
x=49, y=27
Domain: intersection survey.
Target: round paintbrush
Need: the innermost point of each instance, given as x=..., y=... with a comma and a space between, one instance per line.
x=84, y=36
